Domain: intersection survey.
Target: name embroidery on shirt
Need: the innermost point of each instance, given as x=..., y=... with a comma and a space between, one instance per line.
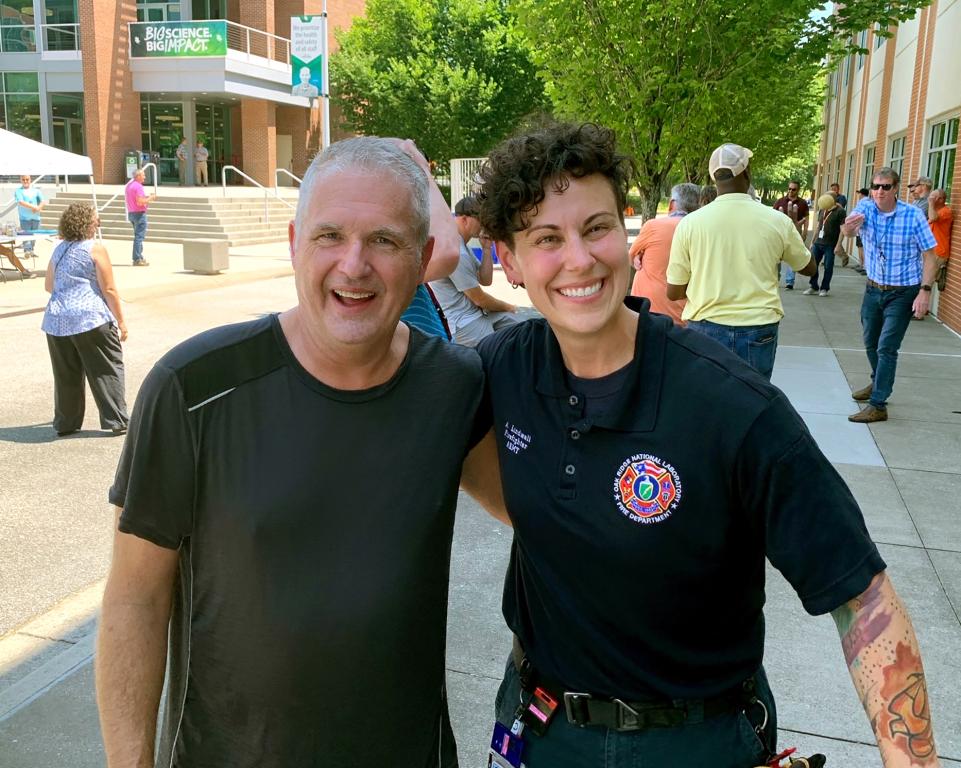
x=647, y=489
x=515, y=440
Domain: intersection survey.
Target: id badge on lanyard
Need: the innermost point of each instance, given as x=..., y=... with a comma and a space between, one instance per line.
x=507, y=745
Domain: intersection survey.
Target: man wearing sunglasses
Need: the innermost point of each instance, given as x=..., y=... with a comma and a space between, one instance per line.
x=795, y=208
x=901, y=266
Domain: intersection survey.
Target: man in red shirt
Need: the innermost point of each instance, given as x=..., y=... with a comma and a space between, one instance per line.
x=796, y=208
x=940, y=219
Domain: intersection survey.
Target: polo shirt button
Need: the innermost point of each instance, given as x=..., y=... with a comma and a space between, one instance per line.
x=569, y=469
x=573, y=400
x=575, y=435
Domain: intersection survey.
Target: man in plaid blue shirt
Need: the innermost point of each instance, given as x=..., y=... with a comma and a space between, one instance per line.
x=901, y=266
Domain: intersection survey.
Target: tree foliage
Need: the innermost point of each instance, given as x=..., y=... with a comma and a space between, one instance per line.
x=454, y=75
x=675, y=78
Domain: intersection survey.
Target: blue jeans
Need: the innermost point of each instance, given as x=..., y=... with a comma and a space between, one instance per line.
x=755, y=344
x=29, y=225
x=139, y=221
x=885, y=317
x=724, y=741
x=821, y=251
x=788, y=274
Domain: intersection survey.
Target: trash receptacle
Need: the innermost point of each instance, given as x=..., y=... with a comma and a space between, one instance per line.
x=131, y=161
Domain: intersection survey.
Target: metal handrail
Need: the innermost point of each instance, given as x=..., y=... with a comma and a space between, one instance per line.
x=235, y=169
x=284, y=170
x=277, y=186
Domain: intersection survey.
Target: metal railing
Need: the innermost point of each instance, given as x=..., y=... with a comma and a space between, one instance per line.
x=286, y=173
x=22, y=38
x=235, y=169
x=18, y=38
x=156, y=188
x=256, y=42
x=61, y=37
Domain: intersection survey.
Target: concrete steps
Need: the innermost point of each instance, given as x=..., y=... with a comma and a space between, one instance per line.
x=173, y=218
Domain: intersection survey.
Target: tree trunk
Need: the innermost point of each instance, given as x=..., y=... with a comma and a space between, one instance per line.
x=649, y=200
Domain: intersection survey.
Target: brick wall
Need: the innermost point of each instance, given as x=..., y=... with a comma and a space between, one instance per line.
x=259, y=139
x=914, y=143
x=111, y=106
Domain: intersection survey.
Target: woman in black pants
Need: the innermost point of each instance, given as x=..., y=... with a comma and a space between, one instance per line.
x=84, y=326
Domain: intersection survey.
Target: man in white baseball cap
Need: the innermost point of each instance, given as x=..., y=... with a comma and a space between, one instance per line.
x=724, y=260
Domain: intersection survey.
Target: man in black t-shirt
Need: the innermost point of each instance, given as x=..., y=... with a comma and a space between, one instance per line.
x=830, y=218
x=286, y=498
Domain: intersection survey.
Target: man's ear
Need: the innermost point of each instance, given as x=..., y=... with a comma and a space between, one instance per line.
x=425, y=255
x=291, y=237
x=509, y=262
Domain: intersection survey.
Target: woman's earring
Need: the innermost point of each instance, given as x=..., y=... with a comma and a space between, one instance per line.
x=514, y=285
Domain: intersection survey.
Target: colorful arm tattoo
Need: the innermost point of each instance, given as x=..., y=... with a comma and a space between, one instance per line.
x=882, y=654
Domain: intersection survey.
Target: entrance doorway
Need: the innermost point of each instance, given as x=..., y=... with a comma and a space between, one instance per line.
x=213, y=129
x=66, y=113
x=161, y=128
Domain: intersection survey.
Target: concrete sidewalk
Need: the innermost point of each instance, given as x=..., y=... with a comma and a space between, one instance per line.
x=164, y=276
x=905, y=473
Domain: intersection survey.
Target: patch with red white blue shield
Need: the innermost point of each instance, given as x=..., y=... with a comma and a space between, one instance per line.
x=647, y=489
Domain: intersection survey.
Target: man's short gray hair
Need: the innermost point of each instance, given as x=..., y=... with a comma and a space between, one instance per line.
x=686, y=197
x=370, y=153
x=888, y=173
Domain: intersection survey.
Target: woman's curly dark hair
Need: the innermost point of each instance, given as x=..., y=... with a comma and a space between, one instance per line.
x=517, y=172
x=77, y=222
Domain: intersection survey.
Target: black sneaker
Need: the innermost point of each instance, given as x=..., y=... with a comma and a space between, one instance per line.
x=789, y=287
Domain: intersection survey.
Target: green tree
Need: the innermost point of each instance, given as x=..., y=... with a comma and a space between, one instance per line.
x=454, y=75
x=675, y=78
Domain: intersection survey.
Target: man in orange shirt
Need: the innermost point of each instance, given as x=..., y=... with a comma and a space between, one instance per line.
x=940, y=220
x=651, y=251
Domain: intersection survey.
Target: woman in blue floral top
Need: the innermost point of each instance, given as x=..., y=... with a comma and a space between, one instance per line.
x=84, y=326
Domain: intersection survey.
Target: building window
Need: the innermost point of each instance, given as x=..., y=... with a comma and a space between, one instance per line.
x=942, y=147
x=20, y=103
x=157, y=10
x=878, y=40
x=862, y=43
x=846, y=66
x=17, y=30
x=61, y=29
x=868, y=176
x=896, y=155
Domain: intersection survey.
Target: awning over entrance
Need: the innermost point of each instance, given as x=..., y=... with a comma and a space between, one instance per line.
x=210, y=57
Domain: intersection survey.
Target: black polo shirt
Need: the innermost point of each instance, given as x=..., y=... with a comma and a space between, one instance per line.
x=641, y=533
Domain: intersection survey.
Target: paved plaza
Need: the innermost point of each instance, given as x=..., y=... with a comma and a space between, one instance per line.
x=55, y=523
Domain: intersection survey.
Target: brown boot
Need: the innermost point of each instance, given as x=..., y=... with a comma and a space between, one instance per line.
x=862, y=394
x=869, y=415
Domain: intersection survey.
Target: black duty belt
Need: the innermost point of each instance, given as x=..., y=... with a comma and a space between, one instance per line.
x=583, y=709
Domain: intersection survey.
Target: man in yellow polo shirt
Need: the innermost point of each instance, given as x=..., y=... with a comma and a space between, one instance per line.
x=724, y=260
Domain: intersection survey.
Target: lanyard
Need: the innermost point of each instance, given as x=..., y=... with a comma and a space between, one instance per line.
x=880, y=238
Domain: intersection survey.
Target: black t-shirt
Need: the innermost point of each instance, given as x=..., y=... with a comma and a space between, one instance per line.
x=830, y=226
x=640, y=533
x=314, y=528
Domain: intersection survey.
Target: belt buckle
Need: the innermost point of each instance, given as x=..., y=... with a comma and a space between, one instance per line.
x=626, y=718
x=579, y=700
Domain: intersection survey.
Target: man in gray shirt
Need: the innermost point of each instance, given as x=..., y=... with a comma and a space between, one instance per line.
x=471, y=312
x=919, y=193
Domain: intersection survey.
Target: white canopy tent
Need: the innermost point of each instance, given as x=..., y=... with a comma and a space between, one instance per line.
x=20, y=155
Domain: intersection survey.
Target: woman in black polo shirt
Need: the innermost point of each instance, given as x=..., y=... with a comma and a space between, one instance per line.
x=647, y=472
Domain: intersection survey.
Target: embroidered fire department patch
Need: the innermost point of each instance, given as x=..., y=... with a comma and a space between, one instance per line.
x=647, y=489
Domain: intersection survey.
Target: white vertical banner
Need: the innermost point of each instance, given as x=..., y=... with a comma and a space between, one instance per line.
x=307, y=54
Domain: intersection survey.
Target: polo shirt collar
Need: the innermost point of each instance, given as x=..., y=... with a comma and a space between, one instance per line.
x=635, y=408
